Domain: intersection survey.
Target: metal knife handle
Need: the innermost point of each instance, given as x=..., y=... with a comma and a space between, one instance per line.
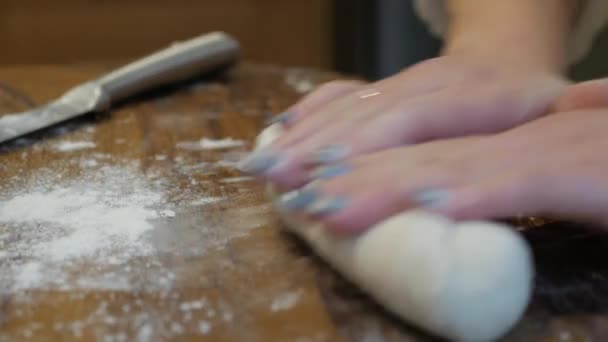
x=178, y=62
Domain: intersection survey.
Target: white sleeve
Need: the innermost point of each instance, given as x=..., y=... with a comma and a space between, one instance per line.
x=592, y=19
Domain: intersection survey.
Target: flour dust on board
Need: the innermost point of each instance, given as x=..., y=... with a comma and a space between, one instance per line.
x=106, y=229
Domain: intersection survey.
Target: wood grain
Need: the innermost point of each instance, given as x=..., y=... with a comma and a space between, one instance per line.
x=236, y=282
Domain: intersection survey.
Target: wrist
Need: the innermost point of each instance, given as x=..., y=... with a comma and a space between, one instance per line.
x=511, y=48
x=529, y=34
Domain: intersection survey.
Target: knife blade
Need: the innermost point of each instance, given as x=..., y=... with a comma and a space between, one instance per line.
x=180, y=61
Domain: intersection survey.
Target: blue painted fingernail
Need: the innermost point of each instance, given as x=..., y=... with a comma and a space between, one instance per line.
x=331, y=153
x=430, y=198
x=297, y=199
x=259, y=161
x=326, y=206
x=283, y=118
x=331, y=171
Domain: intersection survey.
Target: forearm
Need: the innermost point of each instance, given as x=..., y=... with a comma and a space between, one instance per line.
x=521, y=32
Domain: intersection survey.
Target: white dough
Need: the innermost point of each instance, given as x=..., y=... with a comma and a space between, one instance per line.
x=469, y=281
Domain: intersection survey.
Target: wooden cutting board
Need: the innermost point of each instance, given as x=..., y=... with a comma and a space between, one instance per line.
x=211, y=261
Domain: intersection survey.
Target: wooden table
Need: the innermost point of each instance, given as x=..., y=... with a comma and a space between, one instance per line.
x=219, y=268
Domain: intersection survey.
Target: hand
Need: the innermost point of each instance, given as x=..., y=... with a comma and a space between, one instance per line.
x=444, y=97
x=555, y=165
x=585, y=95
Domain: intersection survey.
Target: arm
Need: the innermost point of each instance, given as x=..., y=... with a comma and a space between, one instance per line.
x=521, y=32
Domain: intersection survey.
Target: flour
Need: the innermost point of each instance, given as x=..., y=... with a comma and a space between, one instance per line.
x=300, y=80
x=145, y=333
x=69, y=146
x=203, y=201
x=211, y=144
x=50, y=224
x=194, y=305
x=93, y=217
x=204, y=327
x=285, y=301
x=167, y=213
x=177, y=328
x=30, y=275
x=88, y=163
x=236, y=179
x=107, y=224
x=228, y=164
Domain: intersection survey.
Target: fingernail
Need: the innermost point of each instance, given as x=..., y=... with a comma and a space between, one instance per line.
x=297, y=199
x=331, y=153
x=282, y=118
x=259, y=161
x=326, y=206
x=430, y=198
x=331, y=171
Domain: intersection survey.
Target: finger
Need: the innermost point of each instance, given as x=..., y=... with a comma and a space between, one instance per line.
x=431, y=116
x=585, y=95
x=353, y=197
x=341, y=113
x=365, y=100
x=526, y=194
x=372, y=125
x=411, y=121
x=292, y=163
x=320, y=97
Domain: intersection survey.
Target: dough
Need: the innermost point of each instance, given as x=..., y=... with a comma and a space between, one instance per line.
x=463, y=281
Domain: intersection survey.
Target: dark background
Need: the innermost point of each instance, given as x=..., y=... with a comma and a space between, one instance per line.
x=371, y=38
x=376, y=38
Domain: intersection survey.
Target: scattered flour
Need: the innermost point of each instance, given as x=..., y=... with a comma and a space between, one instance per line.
x=177, y=328
x=145, y=333
x=69, y=146
x=100, y=218
x=204, y=327
x=88, y=163
x=236, y=179
x=194, y=305
x=300, y=80
x=30, y=275
x=196, y=167
x=108, y=229
x=205, y=201
x=167, y=213
x=228, y=164
x=285, y=301
x=211, y=144
x=227, y=316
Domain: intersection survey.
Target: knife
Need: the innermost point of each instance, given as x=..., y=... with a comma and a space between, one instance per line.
x=180, y=61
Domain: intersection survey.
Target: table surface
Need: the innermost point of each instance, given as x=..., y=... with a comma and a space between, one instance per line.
x=171, y=241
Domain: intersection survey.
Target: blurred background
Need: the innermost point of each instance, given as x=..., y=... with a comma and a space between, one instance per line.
x=370, y=38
